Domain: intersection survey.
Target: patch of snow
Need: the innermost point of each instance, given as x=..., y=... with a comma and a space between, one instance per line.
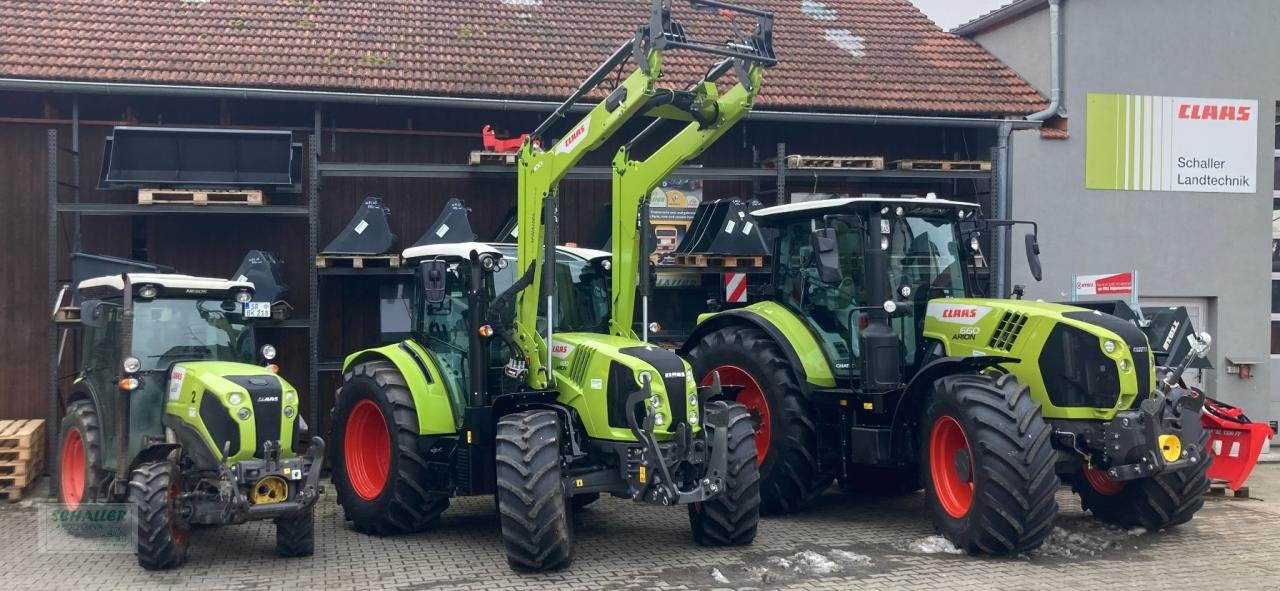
x=806, y=562
x=934, y=545
x=523, y=2
x=849, y=558
x=817, y=10
x=1138, y=531
x=719, y=576
x=846, y=40
x=1063, y=543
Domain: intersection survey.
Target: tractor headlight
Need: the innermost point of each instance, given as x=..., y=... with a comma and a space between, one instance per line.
x=244, y=296
x=693, y=417
x=655, y=401
x=288, y=412
x=268, y=352
x=890, y=306
x=1109, y=346
x=884, y=243
x=148, y=292
x=1124, y=365
x=898, y=211
x=487, y=263
x=659, y=419
x=290, y=395
x=693, y=399
x=606, y=264
x=502, y=264
x=235, y=399
x=243, y=414
x=131, y=365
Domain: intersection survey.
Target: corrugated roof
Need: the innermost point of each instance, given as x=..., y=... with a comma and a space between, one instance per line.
x=868, y=56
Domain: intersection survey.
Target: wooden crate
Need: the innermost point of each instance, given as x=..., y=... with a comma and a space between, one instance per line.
x=358, y=261
x=484, y=157
x=800, y=162
x=22, y=454
x=944, y=165
x=716, y=260
x=202, y=197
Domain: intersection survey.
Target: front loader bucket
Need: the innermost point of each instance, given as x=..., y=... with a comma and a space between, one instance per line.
x=266, y=273
x=451, y=227
x=1234, y=441
x=367, y=233
x=725, y=227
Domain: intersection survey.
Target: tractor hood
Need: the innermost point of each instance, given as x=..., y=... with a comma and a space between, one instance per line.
x=234, y=408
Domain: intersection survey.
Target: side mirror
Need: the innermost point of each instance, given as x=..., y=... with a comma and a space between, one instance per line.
x=433, y=279
x=1033, y=256
x=826, y=255
x=93, y=313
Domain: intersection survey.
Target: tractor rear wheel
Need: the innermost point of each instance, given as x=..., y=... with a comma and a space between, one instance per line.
x=79, y=456
x=377, y=469
x=732, y=517
x=987, y=465
x=786, y=438
x=537, y=527
x=1155, y=503
x=162, y=542
x=296, y=534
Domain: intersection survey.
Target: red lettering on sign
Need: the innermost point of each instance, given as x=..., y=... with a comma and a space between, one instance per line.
x=1214, y=112
x=960, y=313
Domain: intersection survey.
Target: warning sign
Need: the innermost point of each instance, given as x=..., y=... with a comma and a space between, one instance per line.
x=1095, y=285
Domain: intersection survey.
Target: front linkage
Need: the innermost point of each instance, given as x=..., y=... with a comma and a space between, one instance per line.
x=248, y=490
x=706, y=471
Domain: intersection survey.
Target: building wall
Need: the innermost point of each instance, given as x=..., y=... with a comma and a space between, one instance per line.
x=1203, y=246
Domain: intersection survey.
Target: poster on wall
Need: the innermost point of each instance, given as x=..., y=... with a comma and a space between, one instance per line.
x=671, y=208
x=1164, y=143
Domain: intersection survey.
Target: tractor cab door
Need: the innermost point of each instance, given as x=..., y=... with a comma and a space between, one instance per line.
x=924, y=263
x=443, y=328
x=100, y=366
x=827, y=307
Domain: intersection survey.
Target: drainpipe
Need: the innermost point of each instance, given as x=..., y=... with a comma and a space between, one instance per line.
x=1003, y=208
x=1055, y=64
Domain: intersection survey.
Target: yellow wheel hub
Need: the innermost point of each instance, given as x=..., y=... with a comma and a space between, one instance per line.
x=1170, y=447
x=271, y=489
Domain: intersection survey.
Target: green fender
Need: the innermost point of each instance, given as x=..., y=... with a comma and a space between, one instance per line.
x=792, y=335
x=437, y=415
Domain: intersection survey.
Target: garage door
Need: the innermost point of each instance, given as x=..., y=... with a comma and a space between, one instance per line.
x=1198, y=310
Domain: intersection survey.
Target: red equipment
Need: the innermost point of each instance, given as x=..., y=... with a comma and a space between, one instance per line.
x=493, y=144
x=1234, y=440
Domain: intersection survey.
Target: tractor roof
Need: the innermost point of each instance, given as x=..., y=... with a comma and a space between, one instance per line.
x=109, y=285
x=830, y=206
x=451, y=250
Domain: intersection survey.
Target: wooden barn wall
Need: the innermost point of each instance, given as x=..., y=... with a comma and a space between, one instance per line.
x=214, y=245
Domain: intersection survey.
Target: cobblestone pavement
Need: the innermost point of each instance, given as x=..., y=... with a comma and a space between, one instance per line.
x=842, y=543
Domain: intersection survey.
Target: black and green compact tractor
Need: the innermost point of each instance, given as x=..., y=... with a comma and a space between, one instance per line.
x=176, y=411
x=868, y=360
x=568, y=408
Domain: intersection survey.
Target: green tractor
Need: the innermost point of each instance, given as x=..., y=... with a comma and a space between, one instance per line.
x=177, y=412
x=576, y=409
x=867, y=361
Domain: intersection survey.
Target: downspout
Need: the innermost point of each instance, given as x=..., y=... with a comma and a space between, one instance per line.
x=1003, y=208
x=1055, y=64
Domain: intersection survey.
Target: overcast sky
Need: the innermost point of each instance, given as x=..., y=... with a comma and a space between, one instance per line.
x=949, y=13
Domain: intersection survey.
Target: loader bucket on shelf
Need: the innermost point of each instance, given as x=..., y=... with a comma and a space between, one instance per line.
x=451, y=227
x=367, y=233
x=266, y=272
x=724, y=226
x=1235, y=442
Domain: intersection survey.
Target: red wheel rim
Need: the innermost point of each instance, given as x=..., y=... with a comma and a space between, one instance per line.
x=752, y=397
x=366, y=447
x=1101, y=483
x=72, y=469
x=178, y=534
x=946, y=444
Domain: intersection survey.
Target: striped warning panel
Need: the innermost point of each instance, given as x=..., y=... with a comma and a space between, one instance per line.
x=735, y=288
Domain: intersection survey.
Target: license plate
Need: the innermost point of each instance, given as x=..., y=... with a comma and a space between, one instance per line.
x=257, y=309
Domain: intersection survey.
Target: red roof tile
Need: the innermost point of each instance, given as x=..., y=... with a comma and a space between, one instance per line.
x=893, y=59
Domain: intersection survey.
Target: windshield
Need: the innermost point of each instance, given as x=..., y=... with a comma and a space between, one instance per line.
x=925, y=256
x=168, y=331
x=582, y=293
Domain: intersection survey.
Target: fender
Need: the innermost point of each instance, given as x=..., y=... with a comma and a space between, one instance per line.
x=436, y=415
x=153, y=453
x=798, y=344
x=911, y=403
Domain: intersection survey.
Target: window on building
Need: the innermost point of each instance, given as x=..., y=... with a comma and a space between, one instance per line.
x=1275, y=243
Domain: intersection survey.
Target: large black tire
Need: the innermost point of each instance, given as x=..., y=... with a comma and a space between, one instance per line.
x=79, y=443
x=732, y=517
x=1162, y=501
x=537, y=527
x=296, y=534
x=789, y=472
x=883, y=481
x=162, y=544
x=400, y=505
x=1010, y=506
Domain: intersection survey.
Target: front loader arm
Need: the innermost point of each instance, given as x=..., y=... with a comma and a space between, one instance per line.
x=634, y=180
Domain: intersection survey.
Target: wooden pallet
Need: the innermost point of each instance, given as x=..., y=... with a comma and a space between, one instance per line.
x=798, y=162
x=358, y=261
x=944, y=165
x=210, y=197
x=21, y=433
x=483, y=157
x=27, y=467
x=19, y=454
x=67, y=315
x=718, y=260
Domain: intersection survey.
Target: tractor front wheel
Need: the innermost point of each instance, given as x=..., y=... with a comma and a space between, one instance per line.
x=378, y=470
x=732, y=517
x=1155, y=503
x=537, y=527
x=162, y=542
x=296, y=534
x=987, y=465
x=786, y=438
